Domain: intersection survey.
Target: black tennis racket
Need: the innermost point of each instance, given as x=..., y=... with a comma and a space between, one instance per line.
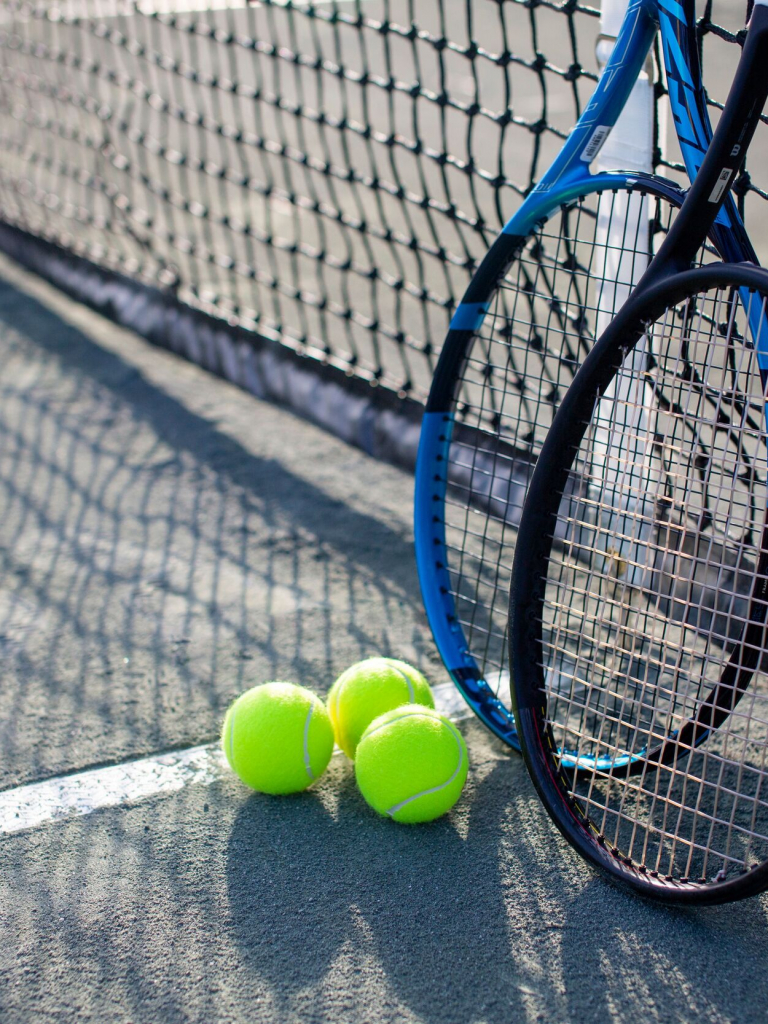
x=640, y=581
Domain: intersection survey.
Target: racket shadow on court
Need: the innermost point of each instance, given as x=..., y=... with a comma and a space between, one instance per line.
x=693, y=962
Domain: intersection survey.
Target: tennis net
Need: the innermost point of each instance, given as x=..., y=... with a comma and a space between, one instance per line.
x=306, y=183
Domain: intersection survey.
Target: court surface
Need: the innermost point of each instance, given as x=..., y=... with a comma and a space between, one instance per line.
x=166, y=541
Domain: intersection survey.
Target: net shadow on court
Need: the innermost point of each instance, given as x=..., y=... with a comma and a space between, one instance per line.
x=154, y=566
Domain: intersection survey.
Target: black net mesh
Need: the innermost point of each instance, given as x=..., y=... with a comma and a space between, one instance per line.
x=326, y=175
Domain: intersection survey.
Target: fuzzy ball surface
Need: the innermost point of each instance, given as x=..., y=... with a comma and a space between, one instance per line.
x=278, y=738
x=411, y=764
x=368, y=689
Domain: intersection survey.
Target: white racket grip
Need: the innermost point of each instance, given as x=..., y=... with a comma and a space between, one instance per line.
x=630, y=144
x=622, y=241
x=611, y=16
x=621, y=256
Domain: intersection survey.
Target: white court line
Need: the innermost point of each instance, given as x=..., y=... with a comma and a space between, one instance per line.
x=72, y=796
x=40, y=803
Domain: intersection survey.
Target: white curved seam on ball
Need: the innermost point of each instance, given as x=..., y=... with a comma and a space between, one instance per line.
x=408, y=682
x=435, y=789
x=339, y=724
x=391, y=721
x=307, y=764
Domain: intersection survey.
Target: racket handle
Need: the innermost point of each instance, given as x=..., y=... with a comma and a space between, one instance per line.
x=724, y=158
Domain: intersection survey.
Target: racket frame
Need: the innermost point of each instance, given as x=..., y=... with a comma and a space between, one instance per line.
x=552, y=778
x=567, y=180
x=667, y=281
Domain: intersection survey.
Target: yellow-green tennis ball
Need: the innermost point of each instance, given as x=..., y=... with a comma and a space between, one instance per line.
x=368, y=689
x=278, y=738
x=411, y=764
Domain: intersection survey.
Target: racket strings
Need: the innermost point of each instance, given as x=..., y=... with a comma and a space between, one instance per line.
x=569, y=279
x=649, y=617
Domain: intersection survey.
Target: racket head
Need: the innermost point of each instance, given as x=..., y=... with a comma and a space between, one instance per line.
x=638, y=600
x=527, y=320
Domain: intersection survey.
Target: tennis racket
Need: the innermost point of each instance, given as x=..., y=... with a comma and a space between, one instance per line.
x=548, y=286
x=640, y=583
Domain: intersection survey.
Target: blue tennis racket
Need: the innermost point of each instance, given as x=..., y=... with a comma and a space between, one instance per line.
x=548, y=286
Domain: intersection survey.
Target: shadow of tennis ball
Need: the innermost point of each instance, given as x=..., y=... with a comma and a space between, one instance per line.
x=432, y=898
x=287, y=904
x=326, y=895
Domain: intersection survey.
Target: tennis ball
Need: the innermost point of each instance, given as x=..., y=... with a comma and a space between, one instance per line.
x=411, y=764
x=278, y=738
x=368, y=689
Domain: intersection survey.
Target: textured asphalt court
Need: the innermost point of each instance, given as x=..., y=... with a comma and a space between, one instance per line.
x=165, y=542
